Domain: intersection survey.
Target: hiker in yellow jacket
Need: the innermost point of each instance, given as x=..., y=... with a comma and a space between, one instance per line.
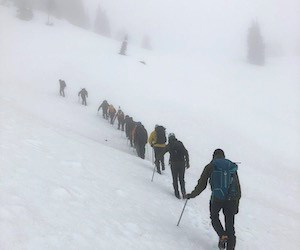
x=157, y=140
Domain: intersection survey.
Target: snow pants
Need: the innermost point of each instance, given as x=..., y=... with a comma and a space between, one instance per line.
x=140, y=149
x=111, y=115
x=158, y=152
x=121, y=124
x=178, y=170
x=104, y=113
x=83, y=100
x=229, y=208
x=62, y=92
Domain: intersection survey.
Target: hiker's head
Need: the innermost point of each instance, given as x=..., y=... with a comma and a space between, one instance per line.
x=171, y=137
x=218, y=154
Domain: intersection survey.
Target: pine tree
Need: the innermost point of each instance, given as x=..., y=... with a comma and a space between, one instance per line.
x=123, y=49
x=74, y=12
x=256, y=47
x=102, y=26
x=24, y=10
x=50, y=9
x=146, y=44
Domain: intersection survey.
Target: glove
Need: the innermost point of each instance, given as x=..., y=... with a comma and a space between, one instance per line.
x=187, y=164
x=189, y=196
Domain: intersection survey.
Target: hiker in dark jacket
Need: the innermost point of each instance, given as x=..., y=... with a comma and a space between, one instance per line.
x=84, y=94
x=228, y=202
x=104, y=105
x=126, y=121
x=62, y=85
x=179, y=160
x=129, y=127
x=140, y=139
x=120, y=117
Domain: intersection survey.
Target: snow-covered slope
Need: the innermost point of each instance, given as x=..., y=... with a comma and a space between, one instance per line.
x=68, y=178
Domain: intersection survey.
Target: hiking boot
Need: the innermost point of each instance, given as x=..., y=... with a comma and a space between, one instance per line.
x=158, y=171
x=222, y=242
x=163, y=167
x=177, y=194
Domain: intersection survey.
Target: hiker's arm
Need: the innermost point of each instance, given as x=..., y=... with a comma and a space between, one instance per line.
x=239, y=187
x=202, y=183
x=151, y=139
x=187, y=159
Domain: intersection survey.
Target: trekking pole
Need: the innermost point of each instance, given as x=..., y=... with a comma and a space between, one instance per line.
x=153, y=164
x=147, y=152
x=152, y=156
x=182, y=212
x=153, y=173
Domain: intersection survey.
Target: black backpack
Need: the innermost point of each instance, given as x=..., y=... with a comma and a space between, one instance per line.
x=177, y=151
x=160, y=135
x=141, y=134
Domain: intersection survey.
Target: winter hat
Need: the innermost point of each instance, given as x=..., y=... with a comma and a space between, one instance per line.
x=218, y=153
x=171, y=137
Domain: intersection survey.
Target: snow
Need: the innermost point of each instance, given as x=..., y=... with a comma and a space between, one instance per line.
x=69, y=179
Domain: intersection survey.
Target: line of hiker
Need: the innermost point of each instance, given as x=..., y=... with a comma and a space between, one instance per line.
x=135, y=131
x=82, y=93
x=221, y=173
x=138, y=138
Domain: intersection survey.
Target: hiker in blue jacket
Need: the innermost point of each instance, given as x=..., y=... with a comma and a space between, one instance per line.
x=226, y=193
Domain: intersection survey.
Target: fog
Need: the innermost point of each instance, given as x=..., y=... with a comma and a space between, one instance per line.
x=216, y=25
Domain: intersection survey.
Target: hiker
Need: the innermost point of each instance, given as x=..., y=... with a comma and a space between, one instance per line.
x=140, y=139
x=111, y=112
x=120, y=116
x=84, y=94
x=104, y=105
x=126, y=121
x=226, y=193
x=157, y=140
x=62, y=85
x=179, y=160
x=128, y=129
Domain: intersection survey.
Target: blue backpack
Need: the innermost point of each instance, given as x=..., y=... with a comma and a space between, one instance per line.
x=223, y=181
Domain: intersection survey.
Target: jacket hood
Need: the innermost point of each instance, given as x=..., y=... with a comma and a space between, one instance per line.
x=218, y=154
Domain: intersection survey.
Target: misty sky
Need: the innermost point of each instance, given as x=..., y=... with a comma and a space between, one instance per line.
x=220, y=24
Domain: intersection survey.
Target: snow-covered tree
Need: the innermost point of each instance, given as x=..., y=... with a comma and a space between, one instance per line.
x=73, y=11
x=123, y=49
x=102, y=26
x=50, y=9
x=256, y=47
x=146, y=44
x=24, y=10
x=121, y=34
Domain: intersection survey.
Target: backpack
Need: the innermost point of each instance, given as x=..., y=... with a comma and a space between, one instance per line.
x=177, y=151
x=120, y=115
x=160, y=135
x=141, y=135
x=223, y=180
